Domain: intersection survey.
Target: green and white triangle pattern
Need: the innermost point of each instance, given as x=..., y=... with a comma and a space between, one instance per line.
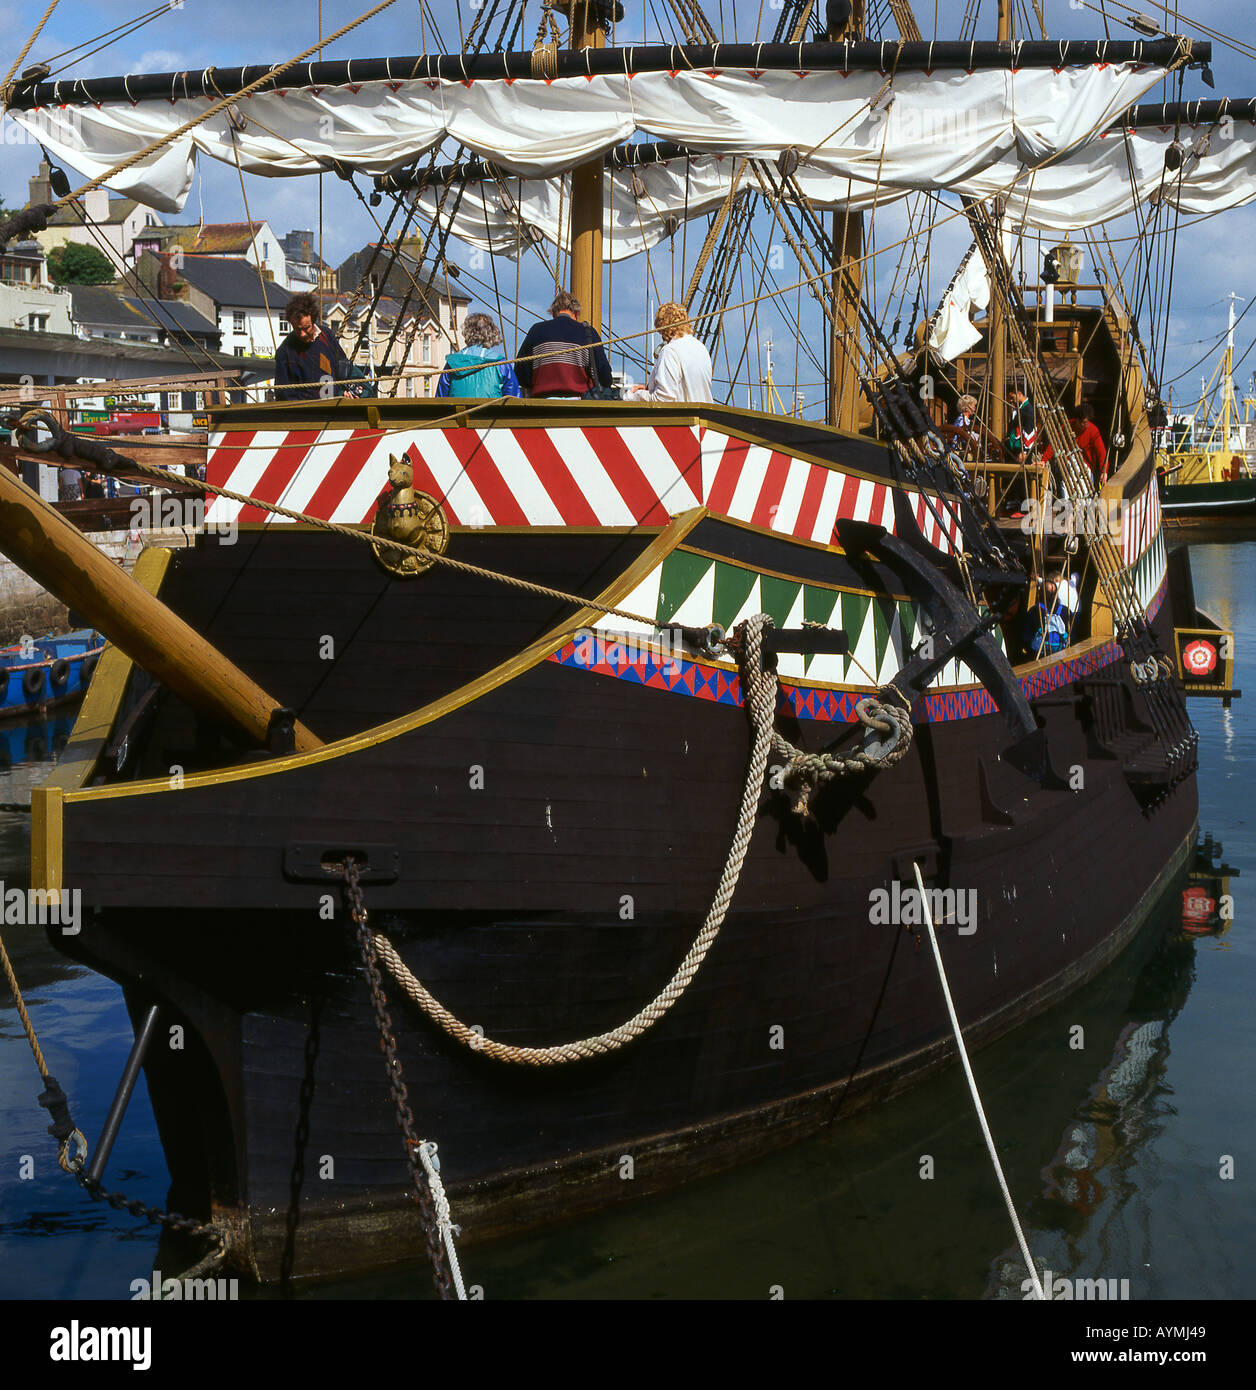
x=696, y=590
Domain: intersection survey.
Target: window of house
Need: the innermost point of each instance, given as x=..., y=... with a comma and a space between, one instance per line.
x=285, y=326
x=237, y=321
x=38, y=322
x=239, y=352
x=427, y=385
x=427, y=349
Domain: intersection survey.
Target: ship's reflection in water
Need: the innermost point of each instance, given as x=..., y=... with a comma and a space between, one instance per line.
x=1075, y=1226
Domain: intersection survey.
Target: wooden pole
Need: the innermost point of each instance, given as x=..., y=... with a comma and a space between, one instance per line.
x=996, y=340
x=848, y=241
x=848, y=244
x=55, y=554
x=587, y=192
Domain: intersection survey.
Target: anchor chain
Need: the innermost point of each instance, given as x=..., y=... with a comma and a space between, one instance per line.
x=66, y=1133
x=171, y=1220
x=420, y=1190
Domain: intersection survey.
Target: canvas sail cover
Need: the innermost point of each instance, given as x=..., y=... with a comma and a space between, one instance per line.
x=914, y=116
x=1121, y=169
x=953, y=332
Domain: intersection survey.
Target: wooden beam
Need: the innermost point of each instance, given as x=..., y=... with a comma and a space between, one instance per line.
x=55, y=554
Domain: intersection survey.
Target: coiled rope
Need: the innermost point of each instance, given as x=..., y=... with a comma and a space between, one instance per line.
x=806, y=772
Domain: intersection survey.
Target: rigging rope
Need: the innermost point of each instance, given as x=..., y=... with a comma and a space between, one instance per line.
x=17, y=62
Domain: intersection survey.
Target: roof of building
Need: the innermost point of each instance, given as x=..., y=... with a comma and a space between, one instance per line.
x=400, y=278
x=73, y=214
x=111, y=349
x=97, y=304
x=224, y=238
x=232, y=283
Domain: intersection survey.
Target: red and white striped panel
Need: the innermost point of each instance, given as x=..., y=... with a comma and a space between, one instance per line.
x=599, y=475
x=1142, y=522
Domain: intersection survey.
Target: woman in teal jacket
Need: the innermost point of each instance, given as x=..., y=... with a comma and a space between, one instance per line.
x=480, y=369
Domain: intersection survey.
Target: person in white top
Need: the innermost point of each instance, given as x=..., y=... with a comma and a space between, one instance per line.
x=682, y=371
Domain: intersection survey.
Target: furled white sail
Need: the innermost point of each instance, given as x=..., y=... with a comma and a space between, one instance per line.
x=912, y=130
x=643, y=204
x=1106, y=178
x=1125, y=169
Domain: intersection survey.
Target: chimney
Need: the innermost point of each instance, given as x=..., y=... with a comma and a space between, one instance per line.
x=40, y=185
x=96, y=205
x=165, y=275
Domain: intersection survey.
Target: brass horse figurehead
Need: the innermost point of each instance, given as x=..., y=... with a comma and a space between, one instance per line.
x=410, y=517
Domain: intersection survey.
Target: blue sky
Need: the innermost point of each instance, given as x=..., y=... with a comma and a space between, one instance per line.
x=1213, y=257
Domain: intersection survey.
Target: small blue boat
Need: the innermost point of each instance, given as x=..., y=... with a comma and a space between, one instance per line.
x=51, y=671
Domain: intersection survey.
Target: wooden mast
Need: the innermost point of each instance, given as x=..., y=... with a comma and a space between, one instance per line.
x=587, y=192
x=846, y=289
x=996, y=331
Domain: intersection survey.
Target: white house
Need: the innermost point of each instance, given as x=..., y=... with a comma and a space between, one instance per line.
x=247, y=307
x=253, y=242
x=27, y=299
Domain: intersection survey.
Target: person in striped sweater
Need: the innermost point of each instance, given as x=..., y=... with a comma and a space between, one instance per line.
x=562, y=357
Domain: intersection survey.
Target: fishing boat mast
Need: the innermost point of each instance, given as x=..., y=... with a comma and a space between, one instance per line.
x=1228, y=375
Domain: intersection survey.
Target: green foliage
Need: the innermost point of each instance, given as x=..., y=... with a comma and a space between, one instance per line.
x=76, y=264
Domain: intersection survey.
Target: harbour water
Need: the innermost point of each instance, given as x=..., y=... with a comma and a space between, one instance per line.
x=1118, y=1141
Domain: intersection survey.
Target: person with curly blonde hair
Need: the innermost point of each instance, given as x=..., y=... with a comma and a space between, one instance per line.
x=682, y=370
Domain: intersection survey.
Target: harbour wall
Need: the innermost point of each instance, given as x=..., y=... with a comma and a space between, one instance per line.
x=26, y=608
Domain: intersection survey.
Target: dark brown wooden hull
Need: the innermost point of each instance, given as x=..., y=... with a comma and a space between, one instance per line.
x=554, y=900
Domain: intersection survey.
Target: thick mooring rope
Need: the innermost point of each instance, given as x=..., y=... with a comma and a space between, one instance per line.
x=761, y=703
x=806, y=772
x=760, y=699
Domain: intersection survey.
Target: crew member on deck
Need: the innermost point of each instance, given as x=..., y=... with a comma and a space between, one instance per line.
x=310, y=363
x=682, y=370
x=1090, y=442
x=966, y=441
x=562, y=357
x=1024, y=425
x=965, y=413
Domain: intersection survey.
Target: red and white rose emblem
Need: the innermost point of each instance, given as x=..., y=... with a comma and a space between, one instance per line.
x=1199, y=657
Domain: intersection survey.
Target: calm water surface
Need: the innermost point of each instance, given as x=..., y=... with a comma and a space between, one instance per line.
x=1113, y=1152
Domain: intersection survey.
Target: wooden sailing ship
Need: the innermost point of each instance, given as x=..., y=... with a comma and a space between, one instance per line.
x=538, y=781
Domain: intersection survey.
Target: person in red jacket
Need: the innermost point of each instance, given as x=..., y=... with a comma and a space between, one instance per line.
x=1090, y=442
